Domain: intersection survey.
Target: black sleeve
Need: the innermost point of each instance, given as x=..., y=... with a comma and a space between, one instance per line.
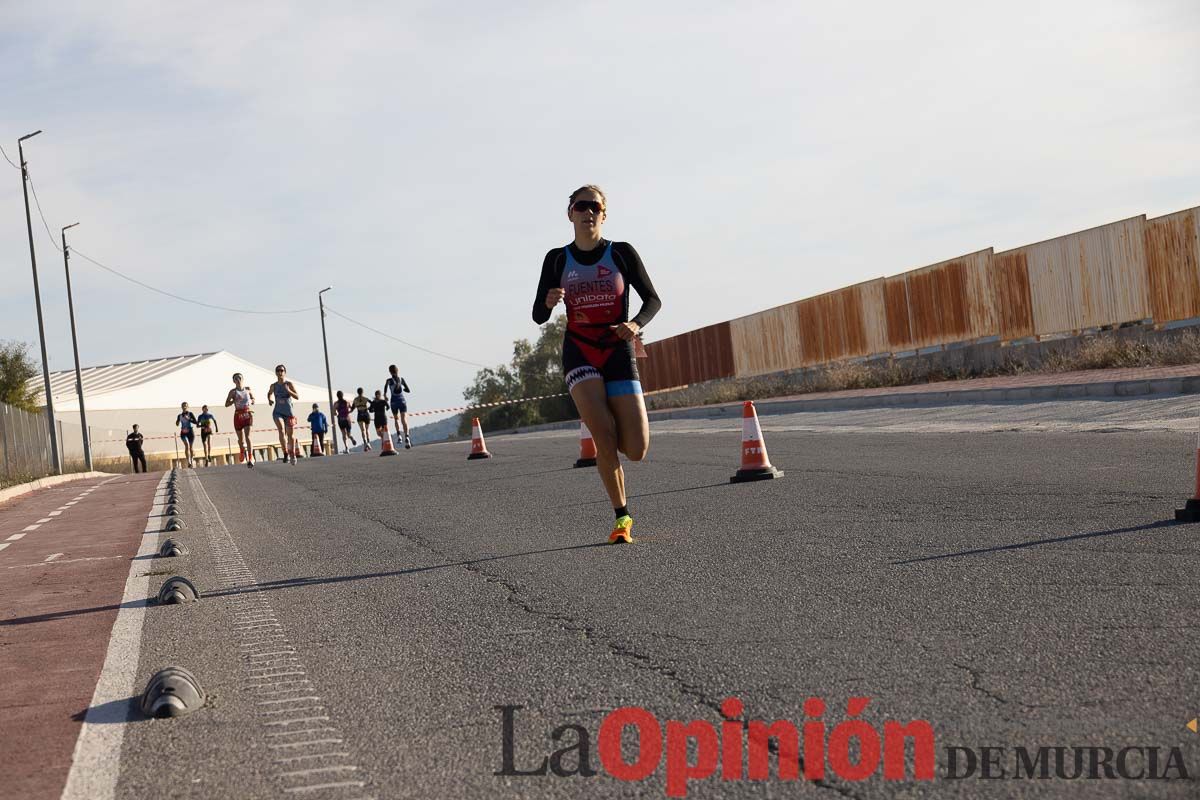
x=404, y=385
x=635, y=273
x=551, y=277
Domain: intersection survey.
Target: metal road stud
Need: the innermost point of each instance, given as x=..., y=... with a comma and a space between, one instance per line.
x=174, y=524
x=171, y=548
x=172, y=692
x=171, y=509
x=177, y=589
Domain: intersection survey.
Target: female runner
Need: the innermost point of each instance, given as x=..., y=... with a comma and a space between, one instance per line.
x=593, y=276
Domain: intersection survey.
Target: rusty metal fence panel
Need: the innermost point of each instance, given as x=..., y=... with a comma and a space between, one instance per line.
x=1172, y=245
x=1009, y=273
x=899, y=328
x=952, y=301
x=1127, y=271
x=24, y=445
x=768, y=341
x=1113, y=278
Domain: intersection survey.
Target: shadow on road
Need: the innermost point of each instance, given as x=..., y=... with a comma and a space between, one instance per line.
x=1038, y=542
x=291, y=583
x=652, y=494
x=75, y=612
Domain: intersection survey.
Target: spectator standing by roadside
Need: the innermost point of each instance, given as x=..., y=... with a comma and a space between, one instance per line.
x=133, y=442
x=320, y=425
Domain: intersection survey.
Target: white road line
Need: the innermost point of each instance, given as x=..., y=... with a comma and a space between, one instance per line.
x=303, y=744
x=97, y=760
x=15, y=537
x=31, y=527
x=286, y=722
x=53, y=556
x=44, y=520
x=292, y=759
x=322, y=786
x=293, y=710
x=55, y=513
x=314, y=770
x=3, y=545
x=301, y=732
x=287, y=700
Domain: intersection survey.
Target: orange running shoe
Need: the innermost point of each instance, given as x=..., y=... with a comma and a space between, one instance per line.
x=621, y=531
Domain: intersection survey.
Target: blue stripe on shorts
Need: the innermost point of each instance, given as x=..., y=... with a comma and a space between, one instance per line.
x=619, y=388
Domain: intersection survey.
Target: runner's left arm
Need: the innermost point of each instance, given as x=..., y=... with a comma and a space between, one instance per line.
x=635, y=272
x=404, y=386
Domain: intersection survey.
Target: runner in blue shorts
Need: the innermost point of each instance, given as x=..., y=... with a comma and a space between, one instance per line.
x=280, y=395
x=396, y=387
x=593, y=276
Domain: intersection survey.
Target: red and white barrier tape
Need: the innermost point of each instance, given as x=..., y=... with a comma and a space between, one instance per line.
x=486, y=405
x=410, y=413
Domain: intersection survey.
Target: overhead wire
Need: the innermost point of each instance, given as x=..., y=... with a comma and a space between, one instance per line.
x=6, y=158
x=76, y=251
x=378, y=332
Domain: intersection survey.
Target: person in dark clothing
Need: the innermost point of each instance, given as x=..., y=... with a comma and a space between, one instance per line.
x=133, y=442
x=379, y=407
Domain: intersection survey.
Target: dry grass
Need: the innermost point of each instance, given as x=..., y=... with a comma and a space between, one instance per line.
x=1104, y=351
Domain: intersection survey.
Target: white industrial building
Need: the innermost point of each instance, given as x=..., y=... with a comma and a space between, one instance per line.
x=149, y=393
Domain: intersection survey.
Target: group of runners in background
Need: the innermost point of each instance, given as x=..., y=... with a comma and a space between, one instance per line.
x=280, y=396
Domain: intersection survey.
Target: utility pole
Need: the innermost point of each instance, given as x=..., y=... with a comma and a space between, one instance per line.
x=83, y=426
x=37, y=298
x=333, y=429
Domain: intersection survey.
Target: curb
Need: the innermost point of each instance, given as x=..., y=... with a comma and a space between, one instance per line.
x=1046, y=392
x=25, y=488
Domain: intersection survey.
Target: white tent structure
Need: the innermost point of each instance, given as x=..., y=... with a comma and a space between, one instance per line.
x=149, y=393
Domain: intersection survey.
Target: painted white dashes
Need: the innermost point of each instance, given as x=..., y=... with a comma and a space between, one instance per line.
x=298, y=730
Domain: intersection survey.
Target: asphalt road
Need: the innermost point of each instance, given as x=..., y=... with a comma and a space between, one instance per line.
x=1012, y=589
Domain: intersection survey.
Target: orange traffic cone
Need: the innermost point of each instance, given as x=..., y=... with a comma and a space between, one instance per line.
x=755, y=464
x=385, y=442
x=316, y=447
x=587, y=447
x=478, y=447
x=1191, y=509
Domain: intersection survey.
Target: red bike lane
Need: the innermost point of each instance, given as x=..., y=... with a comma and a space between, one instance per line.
x=65, y=556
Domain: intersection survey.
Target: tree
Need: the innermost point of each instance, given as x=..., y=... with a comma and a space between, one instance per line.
x=535, y=371
x=17, y=369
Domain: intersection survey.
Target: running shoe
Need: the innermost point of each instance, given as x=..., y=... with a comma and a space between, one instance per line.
x=408, y=443
x=621, y=531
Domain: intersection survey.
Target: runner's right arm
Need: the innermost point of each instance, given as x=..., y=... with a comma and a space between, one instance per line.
x=552, y=267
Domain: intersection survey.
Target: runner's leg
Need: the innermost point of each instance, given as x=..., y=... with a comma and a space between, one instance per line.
x=404, y=424
x=593, y=408
x=633, y=426
x=283, y=437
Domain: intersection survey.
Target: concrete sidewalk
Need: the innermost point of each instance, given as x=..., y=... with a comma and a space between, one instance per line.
x=64, y=560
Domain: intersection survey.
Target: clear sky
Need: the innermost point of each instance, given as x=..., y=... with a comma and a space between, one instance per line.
x=418, y=157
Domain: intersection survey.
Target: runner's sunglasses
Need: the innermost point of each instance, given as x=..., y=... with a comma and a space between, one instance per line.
x=582, y=206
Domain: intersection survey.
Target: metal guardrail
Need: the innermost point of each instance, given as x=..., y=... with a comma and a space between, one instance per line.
x=24, y=444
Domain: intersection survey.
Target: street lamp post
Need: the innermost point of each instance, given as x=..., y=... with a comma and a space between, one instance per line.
x=83, y=426
x=328, y=380
x=37, y=299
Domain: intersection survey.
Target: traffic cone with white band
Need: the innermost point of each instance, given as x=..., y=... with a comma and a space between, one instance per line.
x=385, y=442
x=316, y=447
x=587, y=447
x=755, y=464
x=1191, y=509
x=478, y=447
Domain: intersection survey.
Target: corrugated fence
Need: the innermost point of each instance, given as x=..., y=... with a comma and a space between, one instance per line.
x=1134, y=270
